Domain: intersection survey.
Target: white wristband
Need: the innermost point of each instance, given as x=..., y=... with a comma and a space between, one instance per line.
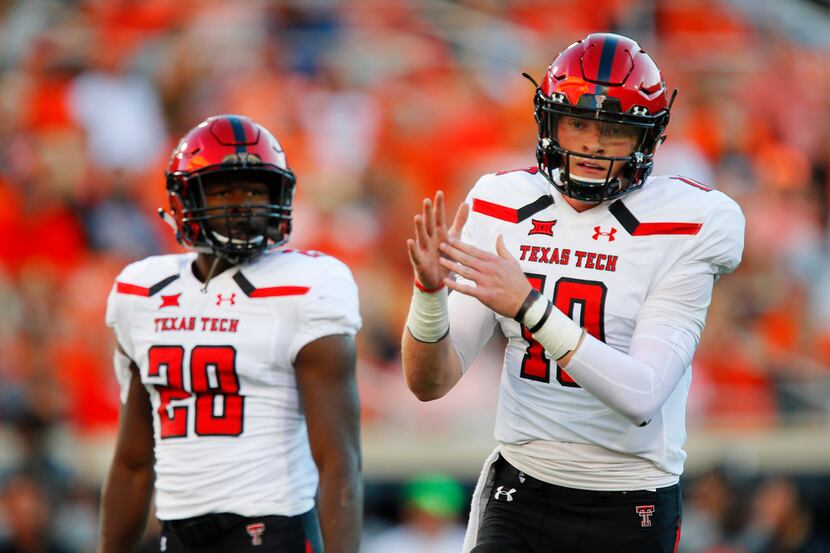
x=535, y=312
x=429, y=318
x=559, y=334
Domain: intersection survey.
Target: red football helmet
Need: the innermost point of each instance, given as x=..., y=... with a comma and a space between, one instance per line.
x=608, y=78
x=222, y=146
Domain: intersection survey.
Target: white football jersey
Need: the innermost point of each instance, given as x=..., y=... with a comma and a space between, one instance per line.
x=230, y=433
x=615, y=268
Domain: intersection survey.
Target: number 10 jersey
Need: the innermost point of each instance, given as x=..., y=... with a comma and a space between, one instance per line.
x=644, y=264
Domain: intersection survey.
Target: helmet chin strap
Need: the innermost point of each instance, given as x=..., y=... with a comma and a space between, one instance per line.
x=225, y=239
x=580, y=180
x=588, y=180
x=222, y=239
x=168, y=219
x=210, y=273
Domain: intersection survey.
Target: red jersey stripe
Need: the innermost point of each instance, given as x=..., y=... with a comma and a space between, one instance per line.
x=693, y=182
x=131, y=289
x=651, y=229
x=496, y=211
x=677, y=538
x=280, y=291
x=532, y=170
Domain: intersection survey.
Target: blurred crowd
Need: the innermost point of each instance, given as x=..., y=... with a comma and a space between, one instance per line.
x=377, y=104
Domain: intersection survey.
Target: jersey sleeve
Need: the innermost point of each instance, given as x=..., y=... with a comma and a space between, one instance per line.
x=123, y=374
x=471, y=322
x=721, y=242
x=331, y=307
x=471, y=326
x=117, y=317
x=674, y=311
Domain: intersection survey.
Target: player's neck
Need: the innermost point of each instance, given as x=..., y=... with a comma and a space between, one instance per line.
x=204, y=263
x=578, y=205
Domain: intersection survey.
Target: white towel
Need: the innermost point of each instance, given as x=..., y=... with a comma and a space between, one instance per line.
x=480, y=497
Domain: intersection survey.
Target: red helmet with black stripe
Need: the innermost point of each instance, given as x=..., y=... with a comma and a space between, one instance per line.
x=224, y=146
x=608, y=78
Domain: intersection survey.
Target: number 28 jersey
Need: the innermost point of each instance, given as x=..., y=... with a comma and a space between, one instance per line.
x=644, y=264
x=218, y=365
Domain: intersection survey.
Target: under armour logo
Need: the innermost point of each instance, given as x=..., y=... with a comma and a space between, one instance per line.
x=508, y=494
x=542, y=227
x=256, y=530
x=600, y=99
x=220, y=299
x=639, y=110
x=645, y=512
x=558, y=97
x=170, y=301
x=609, y=235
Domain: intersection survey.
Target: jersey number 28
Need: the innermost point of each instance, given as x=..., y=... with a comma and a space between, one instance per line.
x=569, y=296
x=214, y=382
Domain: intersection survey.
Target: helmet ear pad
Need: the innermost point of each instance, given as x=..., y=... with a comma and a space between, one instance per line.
x=186, y=234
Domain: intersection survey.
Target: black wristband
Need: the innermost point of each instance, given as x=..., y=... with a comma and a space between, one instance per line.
x=544, y=318
x=424, y=341
x=529, y=300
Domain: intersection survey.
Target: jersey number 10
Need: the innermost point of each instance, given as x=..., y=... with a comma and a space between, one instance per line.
x=569, y=295
x=214, y=382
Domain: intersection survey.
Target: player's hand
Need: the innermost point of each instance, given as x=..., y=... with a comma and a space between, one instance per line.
x=430, y=231
x=500, y=283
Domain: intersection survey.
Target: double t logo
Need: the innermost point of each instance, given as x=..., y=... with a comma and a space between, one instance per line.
x=645, y=512
x=255, y=530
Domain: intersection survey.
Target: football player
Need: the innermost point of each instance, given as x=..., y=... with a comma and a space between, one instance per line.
x=237, y=367
x=600, y=277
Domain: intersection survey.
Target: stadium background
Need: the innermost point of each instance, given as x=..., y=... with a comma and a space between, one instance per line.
x=379, y=103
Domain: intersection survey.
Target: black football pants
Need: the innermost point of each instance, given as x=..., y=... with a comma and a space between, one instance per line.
x=524, y=515
x=230, y=533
